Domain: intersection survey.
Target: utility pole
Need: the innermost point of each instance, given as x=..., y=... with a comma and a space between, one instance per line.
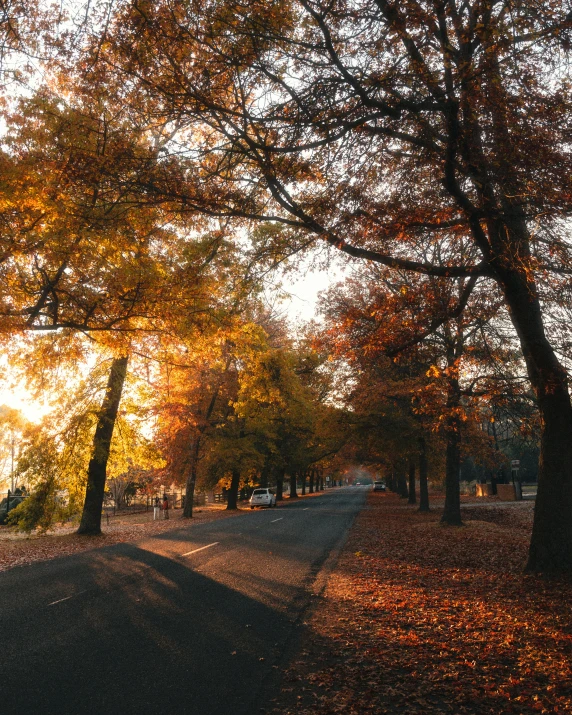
x=12, y=469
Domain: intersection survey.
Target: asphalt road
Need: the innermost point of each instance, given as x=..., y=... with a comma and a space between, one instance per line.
x=190, y=621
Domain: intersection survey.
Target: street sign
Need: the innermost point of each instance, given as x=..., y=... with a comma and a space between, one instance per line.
x=515, y=463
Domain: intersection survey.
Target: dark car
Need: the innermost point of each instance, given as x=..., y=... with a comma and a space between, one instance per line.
x=379, y=486
x=6, y=507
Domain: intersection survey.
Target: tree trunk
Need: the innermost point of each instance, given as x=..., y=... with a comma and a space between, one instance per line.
x=264, y=476
x=293, y=486
x=494, y=482
x=311, y=486
x=452, y=510
x=97, y=470
x=191, y=478
x=402, y=489
x=304, y=474
x=390, y=481
x=232, y=494
x=551, y=543
x=412, y=498
x=423, y=485
x=280, y=485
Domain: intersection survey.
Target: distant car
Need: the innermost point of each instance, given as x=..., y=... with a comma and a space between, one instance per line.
x=262, y=497
x=379, y=486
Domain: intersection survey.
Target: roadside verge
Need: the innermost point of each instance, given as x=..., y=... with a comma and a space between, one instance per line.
x=420, y=618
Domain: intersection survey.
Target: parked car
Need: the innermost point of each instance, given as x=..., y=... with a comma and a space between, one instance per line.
x=262, y=497
x=15, y=499
x=378, y=486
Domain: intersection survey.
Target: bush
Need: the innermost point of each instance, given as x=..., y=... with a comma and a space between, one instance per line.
x=41, y=509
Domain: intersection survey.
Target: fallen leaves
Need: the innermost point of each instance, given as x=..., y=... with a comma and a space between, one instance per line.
x=420, y=618
x=17, y=550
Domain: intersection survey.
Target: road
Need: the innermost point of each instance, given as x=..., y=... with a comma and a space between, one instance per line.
x=194, y=620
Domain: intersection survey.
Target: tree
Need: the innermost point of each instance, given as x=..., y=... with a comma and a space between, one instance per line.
x=432, y=363
x=97, y=468
x=279, y=400
x=458, y=113
x=13, y=425
x=80, y=252
x=373, y=126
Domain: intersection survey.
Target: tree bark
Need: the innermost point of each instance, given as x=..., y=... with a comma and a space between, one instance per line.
x=423, y=484
x=311, y=485
x=551, y=543
x=303, y=475
x=191, y=478
x=293, y=486
x=264, y=476
x=452, y=510
x=280, y=485
x=232, y=494
x=412, y=498
x=402, y=489
x=97, y=470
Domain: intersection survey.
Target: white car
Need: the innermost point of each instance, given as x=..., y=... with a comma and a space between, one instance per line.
x=262, y=497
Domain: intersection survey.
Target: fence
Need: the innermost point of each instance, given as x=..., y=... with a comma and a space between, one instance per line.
x=144, y=502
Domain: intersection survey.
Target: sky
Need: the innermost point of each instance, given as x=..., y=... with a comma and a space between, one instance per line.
x=304, y=292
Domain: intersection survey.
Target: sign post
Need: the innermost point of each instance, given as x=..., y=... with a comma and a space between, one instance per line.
x=514, y=467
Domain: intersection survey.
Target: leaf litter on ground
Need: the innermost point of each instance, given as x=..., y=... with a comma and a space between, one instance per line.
x=423, y=618
x=17, y=549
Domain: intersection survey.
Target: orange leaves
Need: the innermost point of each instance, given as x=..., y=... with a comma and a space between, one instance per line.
x=433, y=371
x=444, y=618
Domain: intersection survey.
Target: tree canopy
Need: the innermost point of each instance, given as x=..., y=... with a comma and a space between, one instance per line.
x=429, y=138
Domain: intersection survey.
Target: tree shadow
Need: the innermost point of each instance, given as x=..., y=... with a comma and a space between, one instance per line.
x=143, y=633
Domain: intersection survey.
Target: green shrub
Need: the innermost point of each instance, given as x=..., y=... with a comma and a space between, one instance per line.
x=41, y=509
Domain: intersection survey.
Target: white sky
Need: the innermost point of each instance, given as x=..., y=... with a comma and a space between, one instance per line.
x=19, y=398
x=304, y=293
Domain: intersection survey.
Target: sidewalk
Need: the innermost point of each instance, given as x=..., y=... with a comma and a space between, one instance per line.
x=421, y=618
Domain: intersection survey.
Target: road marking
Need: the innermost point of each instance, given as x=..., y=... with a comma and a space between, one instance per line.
x=306, y=509
x=67, y=598
x=273, y=520
x=194, y=551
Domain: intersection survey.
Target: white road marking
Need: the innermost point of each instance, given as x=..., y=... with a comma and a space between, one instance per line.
x=67, y=598
x=273, y=520
x=306, y=509
x=194, y=551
